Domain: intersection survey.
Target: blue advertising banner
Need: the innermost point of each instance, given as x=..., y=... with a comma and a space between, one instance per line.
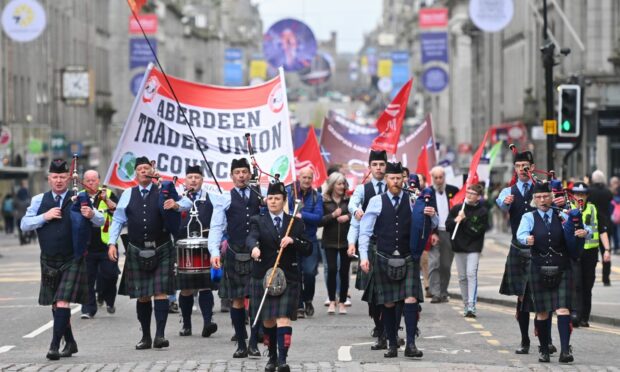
x=140, y=53
x=135, y=82
x=435, y=79
x=233, y=54
x=434, y=46
x=400, y=71
x=233, y=67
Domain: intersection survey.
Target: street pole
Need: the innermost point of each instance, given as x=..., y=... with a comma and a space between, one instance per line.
x=548, y=62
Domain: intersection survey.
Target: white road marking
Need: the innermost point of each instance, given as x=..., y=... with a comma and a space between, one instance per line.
x=466, y=333
x=48, y=325
x=4, y=349
x=434, y=337
x=344, y=354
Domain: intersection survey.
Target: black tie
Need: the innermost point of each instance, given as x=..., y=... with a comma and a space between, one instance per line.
x=525, y=187
x=380, y=188
x=547, y=221
x=395, y=199
x=57, y=199
x=192, y=196
x=144, y=192
x=243, y=195
x=277, y=224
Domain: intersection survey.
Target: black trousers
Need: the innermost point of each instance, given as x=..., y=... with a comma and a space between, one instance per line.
x=332, y=270
x=102, y=275
x=589, y=258
x=606, y=265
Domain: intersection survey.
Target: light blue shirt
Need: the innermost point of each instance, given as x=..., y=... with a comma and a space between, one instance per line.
x=357, y=199
x=32, y=220
x=527, y=224
x=120, y=216
x=507, y=191
x=354, y=231
x=367, y=223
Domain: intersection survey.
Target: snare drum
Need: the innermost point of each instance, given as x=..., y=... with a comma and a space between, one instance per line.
x=193, y=256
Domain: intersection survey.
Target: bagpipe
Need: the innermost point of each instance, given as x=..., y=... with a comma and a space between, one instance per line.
x=81, y=227
x=167, y=190
x=420, y=223
x=257, y=171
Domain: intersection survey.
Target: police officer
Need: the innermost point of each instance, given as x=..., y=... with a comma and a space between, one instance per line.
x=149, y=265
x=268, y=236
x=549, y=271
x=101, y=270
x=396, y=275
x=63, y=275
x=189, y=283
x=232, y=215
x=362, y=194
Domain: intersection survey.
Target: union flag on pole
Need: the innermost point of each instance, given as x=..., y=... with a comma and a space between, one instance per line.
x=309, y=155
x=390, y=123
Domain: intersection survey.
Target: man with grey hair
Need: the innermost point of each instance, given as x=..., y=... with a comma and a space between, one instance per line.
x=440, y=255
x=601, y=197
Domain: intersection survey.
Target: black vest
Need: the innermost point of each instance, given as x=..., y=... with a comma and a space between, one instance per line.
x=393, y=227
x=205, y=211
x=56, y=236
x=547, y=239
x=238, y=217
x=519, y=206
x=369, y=192
x=144, y=219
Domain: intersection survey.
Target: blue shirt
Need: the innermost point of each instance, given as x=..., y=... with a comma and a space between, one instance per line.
x=527, y=224
x=354, y=231
x=32, y=221
x=120, y=217
x=357, y=199
x=506, y=191
x=367, y=223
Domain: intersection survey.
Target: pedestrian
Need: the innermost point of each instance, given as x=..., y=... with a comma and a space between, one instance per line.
x=473, y=221
x=335, y=223
x=549, y=272
x=274, y=235
x=63, y=271
x=601, y=197
x=102, y=272
x=149, y=263
x=8, y=214
x=311, y=213
x=20, y=204
x=231, y=216
x=614, y=187
x=190, y=283
x=377, y=161
x=396, y=275
x=440, y=256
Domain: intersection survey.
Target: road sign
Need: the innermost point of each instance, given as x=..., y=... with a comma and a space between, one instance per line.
x=551, y=126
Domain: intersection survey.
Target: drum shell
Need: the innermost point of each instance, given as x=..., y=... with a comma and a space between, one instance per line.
x=193, y=256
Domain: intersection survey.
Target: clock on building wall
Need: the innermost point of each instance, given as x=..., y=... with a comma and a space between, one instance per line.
x=76, y=85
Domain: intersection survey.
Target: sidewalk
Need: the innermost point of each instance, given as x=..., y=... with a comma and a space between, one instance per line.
x=605, y=300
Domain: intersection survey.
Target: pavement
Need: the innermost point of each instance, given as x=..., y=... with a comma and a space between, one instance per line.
x=605, y=300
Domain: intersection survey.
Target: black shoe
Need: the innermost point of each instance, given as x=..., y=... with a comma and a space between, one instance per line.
x=185, y=332
x=584, y=323
x=375, y=332
x=284, y=368
x=160, y=342
x=575, y=323
x=436, y=300
x=271, y=364
x=99, y=301
x=111, y=309
x=233, y=338
x=552, y=349
x=173, y=308
x=401, y=341
x=53, y=354
x=412, y=352
x=241, y=353
x=445, y=298
x=209, y=329
x=607, y=284
x=301, y=314
x=309, y=309
x=543, y=357
x=253, y=351
x=381, y=344
x=70, y=349
x=144, y=344
x=391, y=353
x=566, y=357
x=523, y=349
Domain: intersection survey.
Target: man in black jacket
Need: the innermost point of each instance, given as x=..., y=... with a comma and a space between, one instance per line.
x=601, y=197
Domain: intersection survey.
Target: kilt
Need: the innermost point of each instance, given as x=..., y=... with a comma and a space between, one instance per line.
x=195, y=281
x=362, y=279
x=233, y=285
x=381, y=289
x=138, y=283
x=548, y=300
x=73, y=284
x=284, y=305
x=514, y=281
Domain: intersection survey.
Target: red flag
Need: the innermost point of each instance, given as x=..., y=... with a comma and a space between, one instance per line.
x=309, y=155
x=390, y=122
x=472, y=176
x=136, y=5
x=422, y=167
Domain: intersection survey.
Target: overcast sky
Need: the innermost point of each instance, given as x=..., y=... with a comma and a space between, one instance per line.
x=349, y=18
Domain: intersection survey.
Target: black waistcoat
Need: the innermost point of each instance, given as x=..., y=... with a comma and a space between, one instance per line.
x=55, y=236
x=393, y=226
x=144, y=219
x=205, y=211
x=519, y=206
x=238, y=217
x=548, y=241
x=369, y=192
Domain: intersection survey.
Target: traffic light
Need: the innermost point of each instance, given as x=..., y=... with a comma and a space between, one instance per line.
x=569, y=110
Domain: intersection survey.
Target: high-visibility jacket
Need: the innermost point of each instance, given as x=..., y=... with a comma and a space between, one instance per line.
x=103, y=208
x=589, y=218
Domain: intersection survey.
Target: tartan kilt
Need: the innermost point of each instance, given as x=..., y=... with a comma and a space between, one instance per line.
x=362, y=279
x=73, y=284
x=195, y=281
x=381, y=289
x=233, y=285
x=549, y=300
x=284, y=305
x=137, y=283
x=514, y=281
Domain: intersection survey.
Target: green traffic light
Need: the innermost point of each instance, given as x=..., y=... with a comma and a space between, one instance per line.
x=566, y=126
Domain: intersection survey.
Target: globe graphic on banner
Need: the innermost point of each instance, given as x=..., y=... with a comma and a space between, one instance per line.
x=126, y=170
x=289, y=43
x=280, y=166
